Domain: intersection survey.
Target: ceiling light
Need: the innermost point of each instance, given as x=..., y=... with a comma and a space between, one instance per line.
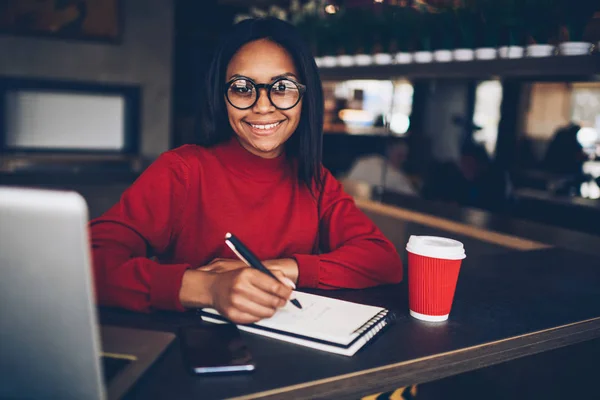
x=331, y=9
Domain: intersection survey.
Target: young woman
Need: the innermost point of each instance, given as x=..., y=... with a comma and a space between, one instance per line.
x=256, y=172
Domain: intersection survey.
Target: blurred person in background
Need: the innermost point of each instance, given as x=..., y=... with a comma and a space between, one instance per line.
x=565, y=155
x=370, y=169
x=472, y=181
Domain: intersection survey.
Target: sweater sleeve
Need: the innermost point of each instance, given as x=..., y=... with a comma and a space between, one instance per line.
x=142, y=224
x=355, y=252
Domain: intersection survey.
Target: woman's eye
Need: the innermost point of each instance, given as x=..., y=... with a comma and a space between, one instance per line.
x=241, y=89
x=281, y=87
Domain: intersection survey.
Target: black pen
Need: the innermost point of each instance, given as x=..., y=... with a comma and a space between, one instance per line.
x=250, y=259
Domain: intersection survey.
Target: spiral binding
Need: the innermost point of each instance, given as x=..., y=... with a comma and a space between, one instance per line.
x=380, y=320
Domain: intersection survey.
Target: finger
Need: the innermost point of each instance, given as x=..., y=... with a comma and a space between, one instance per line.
x=284, y=279
x=212, y=268
x=211, y=265
x=258, y=296
x=240, y=317
x=270, y=285
x=224, y=268
x=249, y=303
x=222, y=265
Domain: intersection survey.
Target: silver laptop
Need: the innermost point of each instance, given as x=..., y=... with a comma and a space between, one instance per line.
x=50, y=343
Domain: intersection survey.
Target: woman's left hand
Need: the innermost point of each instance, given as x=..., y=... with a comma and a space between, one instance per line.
x=288, y=266
x=219, y=265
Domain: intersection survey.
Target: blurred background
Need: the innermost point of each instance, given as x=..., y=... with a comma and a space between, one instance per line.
x=487, y=104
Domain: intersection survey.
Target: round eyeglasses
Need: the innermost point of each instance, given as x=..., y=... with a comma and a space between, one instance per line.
x=284, y=93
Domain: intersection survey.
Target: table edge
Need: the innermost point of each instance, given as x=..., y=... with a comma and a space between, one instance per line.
x=436, y=366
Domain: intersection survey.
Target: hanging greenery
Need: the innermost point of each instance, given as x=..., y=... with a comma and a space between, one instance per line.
x=466, y=19
x=574, y=18
x=443, y=30
x=487, y=23
x=404, y=21
x=542, y=21
x=510, y=19
x=365, y=26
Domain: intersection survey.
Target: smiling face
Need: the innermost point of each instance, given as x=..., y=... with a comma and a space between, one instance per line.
x=263, y=129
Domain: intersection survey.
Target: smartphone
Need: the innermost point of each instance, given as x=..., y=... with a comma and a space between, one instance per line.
x=215, y=348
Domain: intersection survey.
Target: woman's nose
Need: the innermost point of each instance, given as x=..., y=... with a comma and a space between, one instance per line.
x=263, y=104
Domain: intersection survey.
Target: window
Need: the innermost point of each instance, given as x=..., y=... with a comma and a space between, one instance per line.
x=374, y=103
x=66, y=121
x=488, y=98
x=44, y=116
x=585, y=111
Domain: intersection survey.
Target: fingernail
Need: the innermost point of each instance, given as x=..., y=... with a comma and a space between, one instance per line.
x=288, y=282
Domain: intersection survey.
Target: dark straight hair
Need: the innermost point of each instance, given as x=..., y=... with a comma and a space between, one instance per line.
x=305, y=144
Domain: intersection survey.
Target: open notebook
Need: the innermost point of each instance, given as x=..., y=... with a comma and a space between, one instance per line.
x=323, y=323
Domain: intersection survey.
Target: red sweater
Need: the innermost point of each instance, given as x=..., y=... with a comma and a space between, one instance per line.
x=176, y=214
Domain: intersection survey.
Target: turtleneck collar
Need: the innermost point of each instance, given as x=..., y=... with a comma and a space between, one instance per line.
x=241, y=162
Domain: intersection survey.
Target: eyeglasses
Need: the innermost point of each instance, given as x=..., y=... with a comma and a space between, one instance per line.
x=243, y=93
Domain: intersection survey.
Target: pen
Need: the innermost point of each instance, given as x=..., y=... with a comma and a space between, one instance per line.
x=250, y=259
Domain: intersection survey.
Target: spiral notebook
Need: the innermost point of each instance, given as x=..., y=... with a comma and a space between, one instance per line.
x=323, y=323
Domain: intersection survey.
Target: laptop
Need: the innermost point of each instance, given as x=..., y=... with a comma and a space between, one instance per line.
x=51, y=345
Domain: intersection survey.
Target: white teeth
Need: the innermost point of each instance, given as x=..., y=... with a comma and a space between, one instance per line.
x=269, y=126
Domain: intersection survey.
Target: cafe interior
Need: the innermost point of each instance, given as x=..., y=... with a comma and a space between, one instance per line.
x=475, y=120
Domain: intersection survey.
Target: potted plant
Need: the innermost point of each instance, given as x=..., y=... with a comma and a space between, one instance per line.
x=487, y=29
x=465, y=16
x=512, y=24
x=542, y=26
x=423, y=32
x=327, y=39
x=404, y=21
x=362, y=25
x=443, y=28
x=317, y=30
x=383, y=34
x=350, y=40
x=573, y=19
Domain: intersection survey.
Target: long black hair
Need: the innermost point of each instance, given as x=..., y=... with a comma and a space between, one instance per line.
x=305, y=144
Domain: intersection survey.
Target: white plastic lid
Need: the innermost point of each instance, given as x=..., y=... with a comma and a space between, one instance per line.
x=436, y=247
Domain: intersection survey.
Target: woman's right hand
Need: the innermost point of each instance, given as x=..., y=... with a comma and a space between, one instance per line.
x=243, y=295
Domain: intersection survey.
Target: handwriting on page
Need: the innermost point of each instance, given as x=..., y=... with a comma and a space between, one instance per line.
x=310, y=312
x=320, y=316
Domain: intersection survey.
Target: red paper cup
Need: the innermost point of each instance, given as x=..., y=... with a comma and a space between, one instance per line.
x=433, y=267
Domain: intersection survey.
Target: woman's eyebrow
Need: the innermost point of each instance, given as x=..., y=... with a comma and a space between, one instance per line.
x=286, y=75
x=238, y=76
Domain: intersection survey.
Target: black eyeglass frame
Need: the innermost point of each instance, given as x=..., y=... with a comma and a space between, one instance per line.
x=267, y=87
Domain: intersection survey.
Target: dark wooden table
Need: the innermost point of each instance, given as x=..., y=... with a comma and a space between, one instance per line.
x=569, y=372
x=506, y=306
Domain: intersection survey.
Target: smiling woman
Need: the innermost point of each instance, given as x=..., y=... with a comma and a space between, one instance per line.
x=269, y=48
x=256, y=172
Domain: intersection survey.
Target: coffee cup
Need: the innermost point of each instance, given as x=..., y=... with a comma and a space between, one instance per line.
x=433, y=268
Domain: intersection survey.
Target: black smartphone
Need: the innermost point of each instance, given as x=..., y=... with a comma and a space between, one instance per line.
x=215, y=348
